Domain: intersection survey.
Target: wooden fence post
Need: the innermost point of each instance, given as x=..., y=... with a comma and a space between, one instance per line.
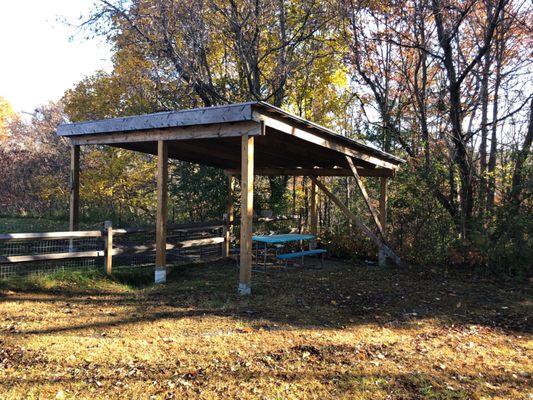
x=108, y=247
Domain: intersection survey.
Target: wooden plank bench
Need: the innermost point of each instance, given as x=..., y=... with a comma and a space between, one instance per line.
x=289, y=256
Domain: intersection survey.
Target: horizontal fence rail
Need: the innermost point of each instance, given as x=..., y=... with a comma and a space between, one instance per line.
x=17, y=237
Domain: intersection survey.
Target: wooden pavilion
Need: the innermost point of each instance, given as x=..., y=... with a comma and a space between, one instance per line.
x=244, y=139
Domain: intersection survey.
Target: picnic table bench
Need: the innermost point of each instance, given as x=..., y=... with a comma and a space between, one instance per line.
x=302, y=254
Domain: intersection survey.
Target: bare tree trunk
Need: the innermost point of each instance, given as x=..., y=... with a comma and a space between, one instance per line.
x=491, y=168
x=279, y=95
x=455, y=80
x=484, y=133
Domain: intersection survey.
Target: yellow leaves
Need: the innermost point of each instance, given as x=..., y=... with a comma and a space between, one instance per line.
x=6, y=111
x=118, y=179
x=6, y=115
x=340, y=78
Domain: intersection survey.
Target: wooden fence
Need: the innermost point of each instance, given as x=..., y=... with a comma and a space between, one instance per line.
x=26, y=253
x=45, y=252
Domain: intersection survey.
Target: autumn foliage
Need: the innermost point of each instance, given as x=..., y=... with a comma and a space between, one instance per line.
x=444, y=84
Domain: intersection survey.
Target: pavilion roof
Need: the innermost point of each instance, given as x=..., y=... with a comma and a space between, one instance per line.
x=285, y=144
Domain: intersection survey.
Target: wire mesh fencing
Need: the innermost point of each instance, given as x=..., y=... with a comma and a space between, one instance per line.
x=48, y=252
x=43, y=253
x=186, y=243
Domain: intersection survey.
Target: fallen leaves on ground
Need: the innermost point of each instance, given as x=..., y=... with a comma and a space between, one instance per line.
x=346, y=331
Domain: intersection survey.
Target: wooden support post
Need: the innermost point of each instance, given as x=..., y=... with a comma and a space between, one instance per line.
x=108, y=247
x=313, y=213
x=382, y=258
x=74, y=187
x=247, y=211
x=229, y=218
x=162, y=212
x=375, y=238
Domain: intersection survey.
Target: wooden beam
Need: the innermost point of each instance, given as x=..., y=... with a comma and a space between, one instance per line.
x=375, y=238
x=17, y=237
x=324, y=142
x=187, y=227
x=377, y=172
x=51, y=256
x=363, y=191
x=228, y=225
x=74, y=187
x=247, y=211
x=180, y=133
x=162, y=211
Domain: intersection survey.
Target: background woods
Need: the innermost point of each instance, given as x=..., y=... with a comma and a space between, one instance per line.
x=445, y=84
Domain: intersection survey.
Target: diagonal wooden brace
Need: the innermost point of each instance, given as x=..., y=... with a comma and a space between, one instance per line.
x=365, y=196
x=350, y=215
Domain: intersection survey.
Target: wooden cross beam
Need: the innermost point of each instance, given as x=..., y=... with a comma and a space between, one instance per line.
x=214, y=131
x=346, y=211
x=377, y=172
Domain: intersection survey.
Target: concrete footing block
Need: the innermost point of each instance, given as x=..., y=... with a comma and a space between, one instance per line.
x=244, y=289
x=160, y=275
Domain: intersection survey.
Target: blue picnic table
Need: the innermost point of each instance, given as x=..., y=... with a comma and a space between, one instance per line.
x=280, y=240
x=284, y=238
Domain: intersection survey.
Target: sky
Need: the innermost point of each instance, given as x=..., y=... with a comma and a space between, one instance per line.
x=39, y=58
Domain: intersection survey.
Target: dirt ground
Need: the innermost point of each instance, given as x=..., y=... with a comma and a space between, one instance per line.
x=345, y=331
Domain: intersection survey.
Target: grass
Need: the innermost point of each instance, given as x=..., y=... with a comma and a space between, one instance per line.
x=64, y=282
x=27, y=224
x=347, y=331
x=30, y=224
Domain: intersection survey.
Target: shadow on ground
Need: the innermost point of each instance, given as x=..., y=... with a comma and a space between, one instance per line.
x=341, y=294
